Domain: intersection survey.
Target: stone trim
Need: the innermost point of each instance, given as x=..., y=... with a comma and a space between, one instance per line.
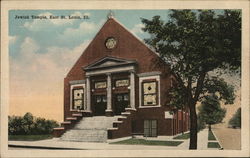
x=76, y=82
x=157, y=78
x=145, y=74
x=110, y=70
x=71, y=95
x=119, y=62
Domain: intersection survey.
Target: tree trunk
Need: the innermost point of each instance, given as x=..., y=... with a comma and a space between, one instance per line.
x=193, y=127
x=209, y=127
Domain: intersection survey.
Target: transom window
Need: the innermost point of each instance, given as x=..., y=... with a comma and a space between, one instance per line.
x=149, y=93
x=100, y=85
x=122, y=83
x=78, y=99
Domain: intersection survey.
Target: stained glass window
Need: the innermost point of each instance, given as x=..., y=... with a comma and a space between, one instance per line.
x=150, y=93
x=78, y=98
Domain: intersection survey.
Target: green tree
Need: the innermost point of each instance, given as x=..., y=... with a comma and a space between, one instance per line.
x=235, y=121
x=210, y=110
x=16, y=125
x=28, y=122
x=194, y=44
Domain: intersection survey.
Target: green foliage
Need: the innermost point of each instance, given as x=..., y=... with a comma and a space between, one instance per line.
x=148, y=142
x=183, y=136
x=210, y=110
x=216, y=85
x=213, y=145
x=235, y=121
x=16, y=125
x=28, y=125
x=211, y=136
x=29, y=137
x=195, y=43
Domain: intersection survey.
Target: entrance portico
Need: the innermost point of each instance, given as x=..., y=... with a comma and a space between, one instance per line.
x=110, y=85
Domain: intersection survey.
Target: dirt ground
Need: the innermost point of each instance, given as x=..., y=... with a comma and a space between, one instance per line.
x=229, y=138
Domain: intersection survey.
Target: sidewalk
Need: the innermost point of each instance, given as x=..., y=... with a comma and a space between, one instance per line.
x=202, y=140
x=56, y=143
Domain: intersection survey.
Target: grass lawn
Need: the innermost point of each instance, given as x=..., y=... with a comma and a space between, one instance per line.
x=183, y=136
x=213, y=145
x=148, y=142
x=29, y=137
x=211, y=136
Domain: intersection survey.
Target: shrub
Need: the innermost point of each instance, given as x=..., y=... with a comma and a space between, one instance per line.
x=28, y=124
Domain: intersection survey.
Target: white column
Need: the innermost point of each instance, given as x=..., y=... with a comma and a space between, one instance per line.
x=109, y=93
x=88, y=94
x=132, y=89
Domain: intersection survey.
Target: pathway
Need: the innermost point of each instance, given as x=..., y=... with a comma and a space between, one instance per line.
x=56, y=143
x=229, y=138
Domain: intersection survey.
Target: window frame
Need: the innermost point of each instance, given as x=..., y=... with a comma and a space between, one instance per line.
x=73, y=98
x=150, y=128
x=115, y=80
x=143, y=94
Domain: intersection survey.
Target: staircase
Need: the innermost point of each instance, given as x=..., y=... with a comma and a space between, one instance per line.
x=90, y=129
x=81, y=127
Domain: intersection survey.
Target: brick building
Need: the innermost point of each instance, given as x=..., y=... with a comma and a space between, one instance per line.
x=118, y=76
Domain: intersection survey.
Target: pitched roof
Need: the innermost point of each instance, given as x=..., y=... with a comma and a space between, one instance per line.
x=128, y=47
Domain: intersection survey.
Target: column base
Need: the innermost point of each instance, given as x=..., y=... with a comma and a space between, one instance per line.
x=87, y=113
x=109, y=113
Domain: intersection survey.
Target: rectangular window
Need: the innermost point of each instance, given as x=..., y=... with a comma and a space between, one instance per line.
x=78, y=98
x=149, y=90
x=100, y=85
x=122, y=83
x=150, y=128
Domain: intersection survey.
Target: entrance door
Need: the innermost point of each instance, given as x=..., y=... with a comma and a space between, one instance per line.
x=100, y=104
x=121, y=102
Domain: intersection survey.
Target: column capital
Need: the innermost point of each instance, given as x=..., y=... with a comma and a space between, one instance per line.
x=131, y=71
x=108, y=74
x=87, y=76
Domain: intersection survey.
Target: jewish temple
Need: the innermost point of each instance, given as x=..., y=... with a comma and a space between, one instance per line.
x=119, y=88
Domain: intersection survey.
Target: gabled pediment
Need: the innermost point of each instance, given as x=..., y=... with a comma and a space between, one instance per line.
x=108, y=61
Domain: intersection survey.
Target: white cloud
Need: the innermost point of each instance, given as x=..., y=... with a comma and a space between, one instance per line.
x=137, y=29
x=83, y=29
x=41, y=73
x=12, y=39
x=38, y=24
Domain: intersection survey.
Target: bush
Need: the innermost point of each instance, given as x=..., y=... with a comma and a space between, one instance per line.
x=29, y=125
x=235, y=121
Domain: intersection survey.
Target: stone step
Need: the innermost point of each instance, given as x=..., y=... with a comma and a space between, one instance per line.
x=88, y=135
x=91, y=129
x=77, y=115
x=71, y=118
